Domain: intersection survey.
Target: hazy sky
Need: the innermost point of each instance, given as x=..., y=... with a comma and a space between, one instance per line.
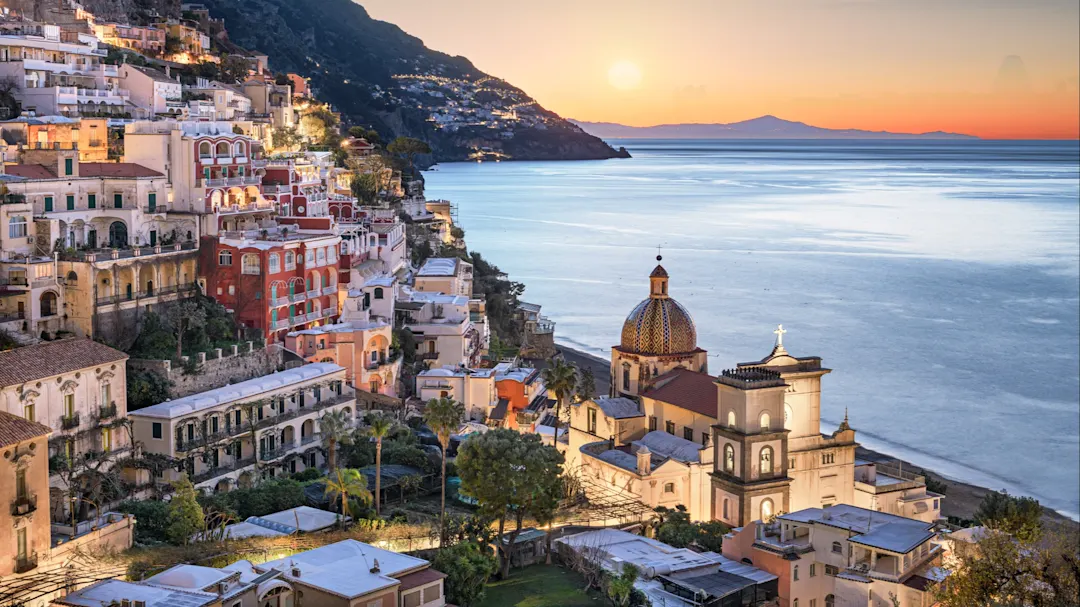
x=901, y=65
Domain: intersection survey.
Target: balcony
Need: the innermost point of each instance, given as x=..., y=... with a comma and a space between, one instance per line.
x=428, y=356
x=331, y=290
x=329, y=311
x=279, y=324
x=276, y=302
x=220, y=470
x=21, y=506
x=279, y=451
x=26, y=562
x=155, y=208
x=69, y=422
x=297, y=297
x=312, y=293
x=313, y=438
x=107, y=411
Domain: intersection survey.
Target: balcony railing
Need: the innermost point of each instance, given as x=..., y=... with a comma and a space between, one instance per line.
x=220, y=470
x=107, y=411
x=297, y=297
x=26, y=562
x=68, y=422
x=313, y=293
x=23, y=505
x=276, y=452
x=279, y=301
x=279, y=324
x=155, y=208
x=330, y=290
x=428, y=356
x=329, y=311
x=311, y=438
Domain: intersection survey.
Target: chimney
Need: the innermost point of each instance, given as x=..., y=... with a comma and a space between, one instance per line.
x=375, y=568
x=168, y=72
x=644, y=461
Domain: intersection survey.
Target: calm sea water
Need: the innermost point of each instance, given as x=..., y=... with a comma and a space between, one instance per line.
x=939, y=280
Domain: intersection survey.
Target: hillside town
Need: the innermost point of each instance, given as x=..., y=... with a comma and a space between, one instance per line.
x=245, y=361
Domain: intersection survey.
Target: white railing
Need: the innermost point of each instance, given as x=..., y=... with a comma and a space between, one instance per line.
x=332, y=289
x=313, y=293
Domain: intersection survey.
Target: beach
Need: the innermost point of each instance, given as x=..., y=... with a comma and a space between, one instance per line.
x=961, y=499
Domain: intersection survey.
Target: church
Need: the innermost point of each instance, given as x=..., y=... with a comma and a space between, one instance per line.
x=739, y=446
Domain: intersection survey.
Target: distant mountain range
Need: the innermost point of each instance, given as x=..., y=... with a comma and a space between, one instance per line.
x=765, y=127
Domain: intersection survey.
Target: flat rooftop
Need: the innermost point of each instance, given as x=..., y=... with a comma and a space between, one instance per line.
x=244, y=390
x=873, y=529
x=108, y=591
x=439, y=266
x=344, y=568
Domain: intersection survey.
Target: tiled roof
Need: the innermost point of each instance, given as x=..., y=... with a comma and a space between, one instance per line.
x=157, y=75
x=116, y=169
x=686, y=389
x=53, y=358
x=14, y=429
x=30, y=171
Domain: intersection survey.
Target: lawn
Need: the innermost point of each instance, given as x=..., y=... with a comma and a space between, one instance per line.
x=539, y=586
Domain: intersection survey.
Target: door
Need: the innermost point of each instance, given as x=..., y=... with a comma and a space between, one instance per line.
x=153, y=202
x=153, y=238
x=48, y=204
x=22, y=310
x=118, y=201
x=91, y=238
x=118, y=236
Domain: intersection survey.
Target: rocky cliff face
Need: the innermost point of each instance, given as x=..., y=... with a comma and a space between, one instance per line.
x=137, y=11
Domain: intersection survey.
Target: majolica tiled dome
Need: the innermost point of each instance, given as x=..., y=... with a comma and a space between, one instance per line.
x=659, y=325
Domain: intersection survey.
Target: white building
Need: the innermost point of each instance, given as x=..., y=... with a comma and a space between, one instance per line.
x=448, y=275
x=891, y=490
x=152, y=90
x=442, y=324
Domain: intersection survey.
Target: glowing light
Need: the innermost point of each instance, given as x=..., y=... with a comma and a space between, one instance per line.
x=624, y=75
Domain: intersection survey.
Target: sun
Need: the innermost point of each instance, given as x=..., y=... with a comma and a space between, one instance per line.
x=624, y=75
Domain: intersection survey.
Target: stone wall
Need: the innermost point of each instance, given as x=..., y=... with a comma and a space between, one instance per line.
x=219, y=368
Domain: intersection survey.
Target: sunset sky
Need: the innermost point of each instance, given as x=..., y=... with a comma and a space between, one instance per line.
x=992, y=68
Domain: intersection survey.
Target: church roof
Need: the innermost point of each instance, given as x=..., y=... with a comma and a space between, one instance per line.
x=686, y=389
x=659, y=325
x=659, y=272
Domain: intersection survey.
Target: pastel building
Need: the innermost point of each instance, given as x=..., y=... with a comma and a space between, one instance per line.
x=443, y=327
x=889, y=489
x=261, y=427
x=362, y=347
x=843, y=555
x=153, y=90
x=448, y=275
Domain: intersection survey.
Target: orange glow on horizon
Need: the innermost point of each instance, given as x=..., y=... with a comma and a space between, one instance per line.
x=994, y=70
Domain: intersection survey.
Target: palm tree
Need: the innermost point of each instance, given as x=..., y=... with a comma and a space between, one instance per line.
x=560, y=378
x=443, y=415
x=379, y=428
x=346, y=482
x=334, y=426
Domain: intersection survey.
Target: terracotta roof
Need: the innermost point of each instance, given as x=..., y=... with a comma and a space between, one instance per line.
x=116, y=169
x=687, y=389
x=51, y=358
x=30, y=171
x=157, y=75
x=14, y=429
x=420, y=578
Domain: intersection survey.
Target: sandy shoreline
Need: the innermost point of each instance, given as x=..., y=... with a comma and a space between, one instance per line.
x=961, y=499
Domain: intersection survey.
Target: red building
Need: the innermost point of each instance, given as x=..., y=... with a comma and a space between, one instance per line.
x=277, y=281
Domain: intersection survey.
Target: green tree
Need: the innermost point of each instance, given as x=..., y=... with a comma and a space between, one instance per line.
x=675, y=528
x=408, y=148
x=1018, y=516
x=619, y=588
x=586, y=385
x=234, y=68
x=286, y=138
x=365, y=187
x=379, y=428
x=344, y=483
x=468, y=569
x=443, y=416
x=185, y=514
x=510, y=474
x=184, y=316
x=999, y=570
x=561, y=378
x=358, y=132
x=146, y=387
x=336, y=431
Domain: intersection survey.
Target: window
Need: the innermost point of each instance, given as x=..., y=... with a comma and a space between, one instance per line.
x=830, y=570
x=411, y=600
x=20, y=483
x=725, y=508
x=765, y=419
x=69, y=166
x=813, y=602
x=765, y=460
x=791, y=464
x=766, y=509
x=70, y=201
x=204, y=150
x=225, y=258
x=48, y=204
x=704, y=439
x=795, y=573
x=378, y=293
x=432, y=593
x=275, y=263
x=290, y=260
x=250, y=264
x=118, y=201
x=731, y=419
x=91, y=201
x=106, y=394
x=688, y=433
x=156, y=429
x=17, y=226
x=320, y=257
x=652, y=423
x=936, y=506
x=729, y=459
x=837, y=548
x=28, y=413
x=106, y=439
x=795, y=603
x=626, y=378
x=309, y=257
x=830, y=600
x=669, y=487
x=592, y=420
x=69, y=405
x=813, y=569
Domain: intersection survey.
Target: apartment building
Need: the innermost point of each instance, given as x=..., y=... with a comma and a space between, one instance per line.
x=145, y=39
x=443, y=327
x=24, y=485
x=90, y=136
x=362, y=347
x=153, y=90
x=892, y=490
x=449, y=275
x=262, y=427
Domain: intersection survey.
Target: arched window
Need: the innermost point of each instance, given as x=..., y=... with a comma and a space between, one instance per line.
x=275, y=263
x=765, y=420
x=320, y=257
x=830, y=600
x=795, y=573
x=765, y=458
x=626, y=378
x=795, y=603
x=48, y=303
x=204, y=150
x=309, y=257
x=378, y=293
x=766, y=509
x=225, y=258
x=731, y=418
x=240, y=149
x=331, y=255
x=17, y=226
x=837, y=548
x=250, y=264
x=222, y=149
x=729, y=459
x=290, y=260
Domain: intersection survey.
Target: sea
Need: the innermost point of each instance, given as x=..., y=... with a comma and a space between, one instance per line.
x=939, y=280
